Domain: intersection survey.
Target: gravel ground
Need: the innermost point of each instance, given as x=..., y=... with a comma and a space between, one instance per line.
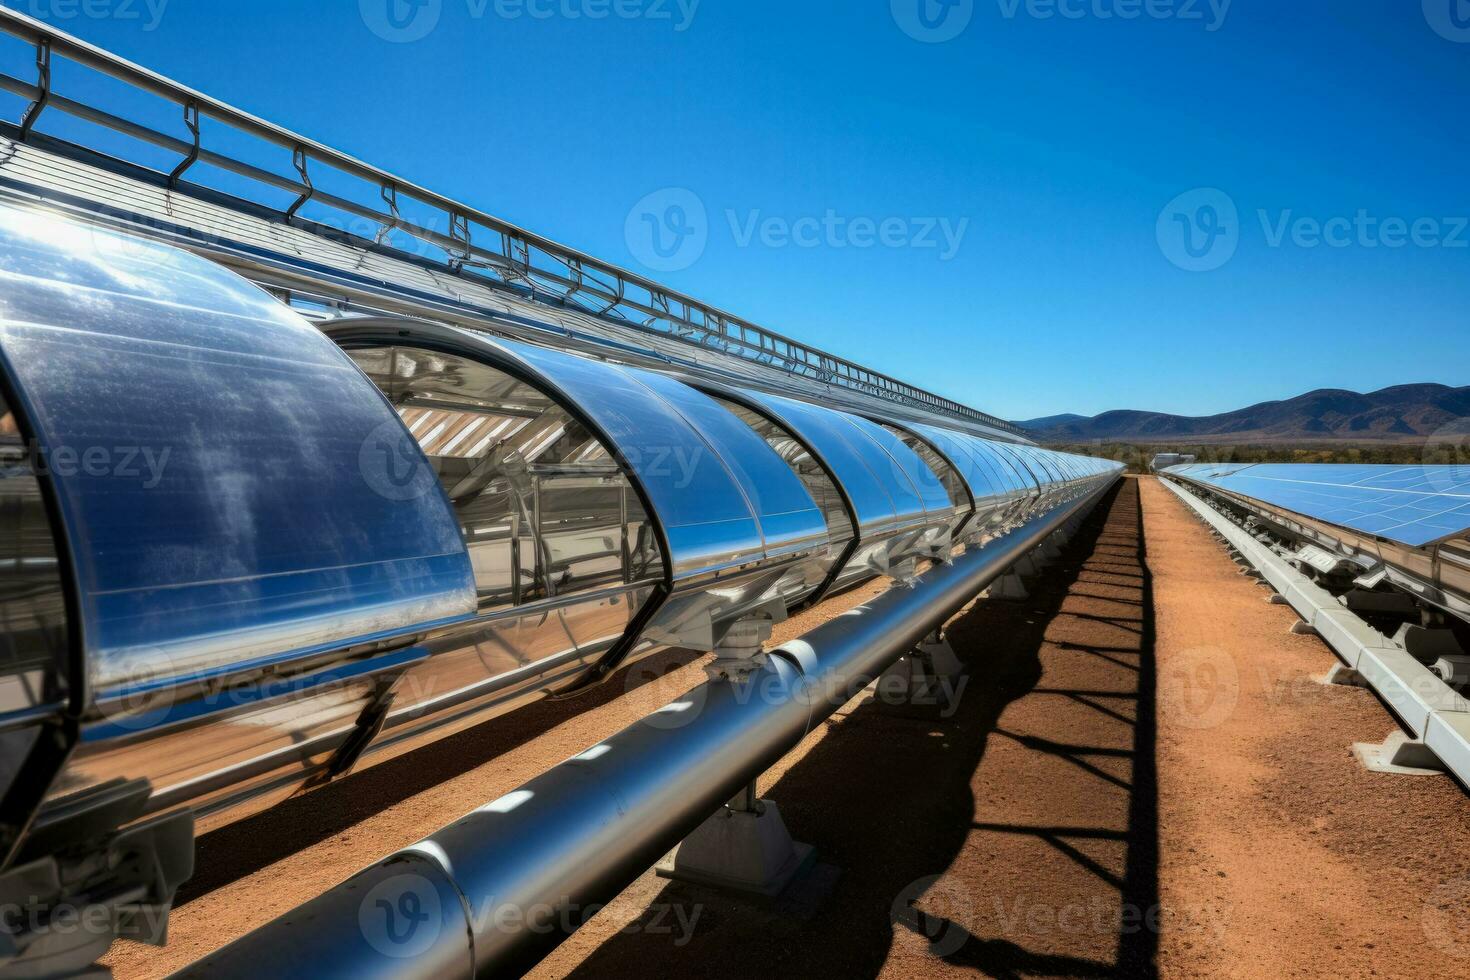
x=1141, y=778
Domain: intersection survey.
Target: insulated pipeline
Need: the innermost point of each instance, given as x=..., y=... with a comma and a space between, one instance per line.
x=494, y=892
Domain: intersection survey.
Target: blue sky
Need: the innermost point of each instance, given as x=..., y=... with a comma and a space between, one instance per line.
x=997, y=216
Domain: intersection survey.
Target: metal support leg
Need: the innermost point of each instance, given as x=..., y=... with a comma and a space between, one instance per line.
x=745, y=846
x=928, y=681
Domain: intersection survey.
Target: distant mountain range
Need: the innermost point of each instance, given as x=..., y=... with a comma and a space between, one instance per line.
x=1400, y=414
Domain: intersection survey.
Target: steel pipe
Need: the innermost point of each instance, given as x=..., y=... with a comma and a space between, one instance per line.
x=495, y=891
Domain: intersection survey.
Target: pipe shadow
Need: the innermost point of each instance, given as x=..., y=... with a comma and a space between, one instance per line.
x=898, y=805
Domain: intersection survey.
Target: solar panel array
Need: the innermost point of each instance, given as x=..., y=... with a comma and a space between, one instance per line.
x=1412, y=505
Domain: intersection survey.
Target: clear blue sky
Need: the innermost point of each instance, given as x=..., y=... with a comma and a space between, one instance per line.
x=1058, y=141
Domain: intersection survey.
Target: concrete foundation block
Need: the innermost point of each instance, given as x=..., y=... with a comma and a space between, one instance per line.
x=1341, y=675
x=1401, y=755
x=743, y=850
x=926, y=682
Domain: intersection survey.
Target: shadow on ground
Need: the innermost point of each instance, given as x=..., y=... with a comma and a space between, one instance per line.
x=963, y=845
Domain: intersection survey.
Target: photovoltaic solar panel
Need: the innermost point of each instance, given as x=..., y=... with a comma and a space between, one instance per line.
x=1413, y=505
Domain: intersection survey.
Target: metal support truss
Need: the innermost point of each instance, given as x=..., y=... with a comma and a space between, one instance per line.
x=453, y=238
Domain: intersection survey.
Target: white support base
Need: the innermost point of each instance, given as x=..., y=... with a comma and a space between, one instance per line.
x=929, y=679
x=745, y=847
x=1399, y=754
x=1341, y=675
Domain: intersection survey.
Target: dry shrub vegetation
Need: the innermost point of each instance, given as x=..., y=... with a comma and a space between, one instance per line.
x=1138, y=455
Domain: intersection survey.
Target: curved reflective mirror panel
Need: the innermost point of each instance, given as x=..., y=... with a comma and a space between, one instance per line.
x=790, y=520
x=211, y=454
x=737, y=530
x=232, y=517
x=545, y=509
x=993, y=496
x=847, y=456
x=917, y=474
x=880, y=476
x=565, y=554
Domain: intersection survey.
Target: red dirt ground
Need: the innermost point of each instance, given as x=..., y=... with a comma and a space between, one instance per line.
x=1141, y=779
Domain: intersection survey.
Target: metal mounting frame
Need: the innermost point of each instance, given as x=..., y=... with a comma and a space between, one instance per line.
x=1425, y=705
x=528, y=264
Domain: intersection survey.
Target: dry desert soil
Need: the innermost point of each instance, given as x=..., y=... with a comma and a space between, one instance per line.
x=1142, y=778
